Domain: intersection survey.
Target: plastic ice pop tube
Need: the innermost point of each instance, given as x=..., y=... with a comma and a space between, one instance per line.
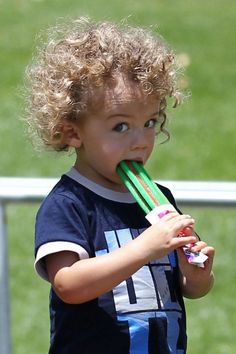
x=151, y=199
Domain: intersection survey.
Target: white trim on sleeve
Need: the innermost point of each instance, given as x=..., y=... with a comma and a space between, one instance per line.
x=53, y=247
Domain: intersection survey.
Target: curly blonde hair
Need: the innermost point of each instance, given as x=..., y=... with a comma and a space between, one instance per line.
x=82, y=55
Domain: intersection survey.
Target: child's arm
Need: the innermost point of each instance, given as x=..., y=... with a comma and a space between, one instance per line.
x=78, y=281
x=196, y=282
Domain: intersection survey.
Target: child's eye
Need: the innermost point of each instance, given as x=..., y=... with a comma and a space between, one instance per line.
x=151, y=123
x=121, y=127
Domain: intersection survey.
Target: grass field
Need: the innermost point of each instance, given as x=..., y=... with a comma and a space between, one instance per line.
x=201, y=148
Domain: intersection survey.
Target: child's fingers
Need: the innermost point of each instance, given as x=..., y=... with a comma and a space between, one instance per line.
x=204, y=248
x=183, y=241
x=173, y=224
x=210, y=252
x=170, y=215
x=198, y=246
x=181, y=222
x=174, y=216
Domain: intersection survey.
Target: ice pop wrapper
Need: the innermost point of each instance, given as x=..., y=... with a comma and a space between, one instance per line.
x=153, y=202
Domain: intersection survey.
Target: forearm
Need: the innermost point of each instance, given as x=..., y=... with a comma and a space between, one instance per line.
x=89, y=278
x=78, y=281
x=194, y=288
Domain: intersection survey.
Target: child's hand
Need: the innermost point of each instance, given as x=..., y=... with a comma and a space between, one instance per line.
x=162, y=237
x=196, y=281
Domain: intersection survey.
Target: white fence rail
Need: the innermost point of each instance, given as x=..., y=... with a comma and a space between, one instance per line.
x=217, y=194
x=14, y=189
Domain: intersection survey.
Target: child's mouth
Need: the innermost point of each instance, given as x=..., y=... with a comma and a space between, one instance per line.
x=129, y=162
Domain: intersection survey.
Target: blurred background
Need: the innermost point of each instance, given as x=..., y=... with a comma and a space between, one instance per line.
x=202, y=147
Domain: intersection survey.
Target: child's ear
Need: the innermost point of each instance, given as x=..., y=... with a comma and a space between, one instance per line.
x=70, y=135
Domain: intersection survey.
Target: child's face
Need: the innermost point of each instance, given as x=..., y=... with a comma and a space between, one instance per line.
x=119, y=126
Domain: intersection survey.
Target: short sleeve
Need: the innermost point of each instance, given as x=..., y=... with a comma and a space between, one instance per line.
x=61, y=224
x=62, y=219
x=54, y=247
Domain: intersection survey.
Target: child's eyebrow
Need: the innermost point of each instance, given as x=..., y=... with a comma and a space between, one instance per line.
x=115, y=115
x=124, y=115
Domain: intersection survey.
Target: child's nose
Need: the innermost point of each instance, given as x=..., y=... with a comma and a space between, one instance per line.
x=139, y=140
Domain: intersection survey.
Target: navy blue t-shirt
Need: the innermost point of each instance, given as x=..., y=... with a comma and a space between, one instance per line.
x=145, y=313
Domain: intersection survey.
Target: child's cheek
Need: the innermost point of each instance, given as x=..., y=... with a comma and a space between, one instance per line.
x=113, y=149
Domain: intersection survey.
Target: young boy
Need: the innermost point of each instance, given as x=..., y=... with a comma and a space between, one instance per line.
x=117, y=282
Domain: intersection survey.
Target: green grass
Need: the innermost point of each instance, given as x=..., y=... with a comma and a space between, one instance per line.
x=202, y=147
x=29, y=295
x=210, y=319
